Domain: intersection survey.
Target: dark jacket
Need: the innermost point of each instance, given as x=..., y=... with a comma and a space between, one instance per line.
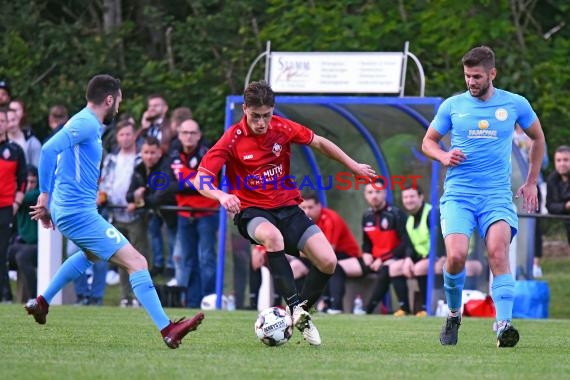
x=557, y=194
x=156, y=193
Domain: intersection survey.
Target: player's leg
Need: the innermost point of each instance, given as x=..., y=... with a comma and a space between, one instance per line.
x=500, y=225
x=137, y=267
x=457, y=224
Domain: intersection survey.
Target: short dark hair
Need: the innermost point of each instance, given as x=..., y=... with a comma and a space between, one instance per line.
x=151, y=140
x=480, y=56
x=101, y=86
x=31, y=170
x=563, y=149
x=258, y=94
x=121, y=124
x=311, y=196
x=59, y=112
x=181, y=114
x=416, y=187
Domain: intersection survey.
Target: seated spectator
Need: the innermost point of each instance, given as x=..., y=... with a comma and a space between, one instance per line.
x=385, y=239
x=24, y=249
x=351, y=262
x=558, y=186
x=418, y=227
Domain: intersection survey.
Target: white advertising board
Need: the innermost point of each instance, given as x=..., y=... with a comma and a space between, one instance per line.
x=295, y=72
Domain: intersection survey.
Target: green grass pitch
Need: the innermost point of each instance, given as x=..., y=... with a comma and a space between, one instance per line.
x=114, y=343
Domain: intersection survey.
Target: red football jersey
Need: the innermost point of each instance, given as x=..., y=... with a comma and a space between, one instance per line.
x=257, y=166
x=338, y=233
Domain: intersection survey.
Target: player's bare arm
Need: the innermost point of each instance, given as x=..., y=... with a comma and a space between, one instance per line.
x=431, y=147
x=330, y=149
x=528, y=190
x=205, y=186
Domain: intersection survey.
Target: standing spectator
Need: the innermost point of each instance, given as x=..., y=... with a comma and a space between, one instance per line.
x=195, y=256
x=558, y=186
x=257, y=151
x=116, y=175
x=12, y=187
x=386, y=240
x=5, y=96
x=24, y=249
x=57, y=118
x=147, y=191
x=179, y=115
x=477, y=188
x=155, y=123
x=350, y=261
x=32, y=145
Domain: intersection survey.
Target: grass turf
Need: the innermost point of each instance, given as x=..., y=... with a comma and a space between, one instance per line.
x=114, y=343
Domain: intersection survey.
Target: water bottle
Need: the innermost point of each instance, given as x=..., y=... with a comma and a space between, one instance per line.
x=358, y=307
x=231, y=304
x=440, y=308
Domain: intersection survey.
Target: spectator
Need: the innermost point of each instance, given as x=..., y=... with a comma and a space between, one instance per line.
x=57, y=118
x=31, y=144
x=24, y=249
x=5, y=96
x=155, y=123
x=116, y=175
x=558, y=186
x=151, y=195
x=12, y=187
x=195, y=256
x=386, y=240
x=418, y=227
x=179, y=115
x=351, y=262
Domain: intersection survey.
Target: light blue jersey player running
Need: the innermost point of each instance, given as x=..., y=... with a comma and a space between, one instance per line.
x=69, y=172
x=477, y=189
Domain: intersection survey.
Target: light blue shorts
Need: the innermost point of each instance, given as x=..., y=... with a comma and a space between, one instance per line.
x=89, y=231
x=460, y=214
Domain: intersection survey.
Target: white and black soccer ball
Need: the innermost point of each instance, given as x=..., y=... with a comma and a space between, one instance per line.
x=274, y=326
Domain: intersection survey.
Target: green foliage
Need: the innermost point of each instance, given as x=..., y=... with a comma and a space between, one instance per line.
x=198, y=52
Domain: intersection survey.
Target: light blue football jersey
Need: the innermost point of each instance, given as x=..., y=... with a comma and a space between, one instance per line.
x=70, y=163
x=483, y=131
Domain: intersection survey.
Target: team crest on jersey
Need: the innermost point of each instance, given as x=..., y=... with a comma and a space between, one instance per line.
x=277, y=149
x=501, y=114
x=384, y=223
x=6, y=153
x=483, y=124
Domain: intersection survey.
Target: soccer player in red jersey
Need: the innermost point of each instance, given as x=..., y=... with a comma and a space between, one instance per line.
x=265, y=200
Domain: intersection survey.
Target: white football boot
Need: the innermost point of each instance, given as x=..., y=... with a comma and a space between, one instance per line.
x=302, y=321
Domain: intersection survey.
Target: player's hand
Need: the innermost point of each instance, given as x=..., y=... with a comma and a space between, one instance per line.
x=376, y=264
x=453, y=158
x=364, y=170
x=40, y=211
x=529, y=193
x=230, y=202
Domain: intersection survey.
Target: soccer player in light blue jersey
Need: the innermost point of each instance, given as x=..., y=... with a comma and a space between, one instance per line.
x=69, y=172
x=477, y=188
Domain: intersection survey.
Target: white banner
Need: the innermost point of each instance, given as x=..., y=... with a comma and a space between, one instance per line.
x=336, y=72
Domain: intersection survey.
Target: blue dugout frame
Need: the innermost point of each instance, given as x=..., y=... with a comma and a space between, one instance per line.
x=338, y=104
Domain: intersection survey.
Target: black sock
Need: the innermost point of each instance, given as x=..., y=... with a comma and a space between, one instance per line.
x=336, y=288
x=283, y=278
x=381, y=287
x=315, y=283
x=365, y=269
x=401, y=288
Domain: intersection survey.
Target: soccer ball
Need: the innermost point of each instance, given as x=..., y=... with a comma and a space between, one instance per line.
x=274, y=326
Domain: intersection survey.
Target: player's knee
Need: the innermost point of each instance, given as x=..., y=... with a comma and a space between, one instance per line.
x=328, y=264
